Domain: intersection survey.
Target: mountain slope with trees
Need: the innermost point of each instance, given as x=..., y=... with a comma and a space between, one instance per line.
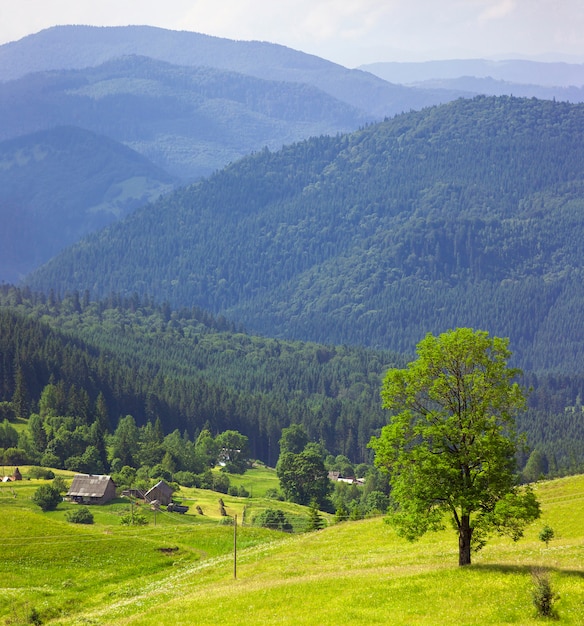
x=60, y=184
x=129, y=367
x=187, y=369
x=188, y=120
x=467, y=214
x=75, y=47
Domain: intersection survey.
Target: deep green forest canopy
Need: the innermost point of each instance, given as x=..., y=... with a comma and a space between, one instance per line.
x=466, y=214
x=191, y=370
x=194, y=371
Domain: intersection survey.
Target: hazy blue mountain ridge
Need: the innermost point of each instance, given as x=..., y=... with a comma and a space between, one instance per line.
x=60, y=184
x=492, y=87
x=529, y=79
x=546, y=74
x=190, y=121
x=75, y=47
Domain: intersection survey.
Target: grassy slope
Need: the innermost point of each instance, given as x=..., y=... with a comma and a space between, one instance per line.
x=353, y=573
x=362, y=573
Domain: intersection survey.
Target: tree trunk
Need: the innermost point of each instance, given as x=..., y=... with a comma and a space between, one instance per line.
x=464, y=537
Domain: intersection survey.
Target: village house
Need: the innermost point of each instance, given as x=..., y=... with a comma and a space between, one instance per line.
x=91, y=489
x=351, y=480
x=161, y=492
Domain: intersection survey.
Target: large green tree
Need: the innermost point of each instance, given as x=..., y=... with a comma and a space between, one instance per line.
x=450, y=446
x=303, y=477
x=233, y=448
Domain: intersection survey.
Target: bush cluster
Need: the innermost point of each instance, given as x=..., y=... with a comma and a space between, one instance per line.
x=81, y=515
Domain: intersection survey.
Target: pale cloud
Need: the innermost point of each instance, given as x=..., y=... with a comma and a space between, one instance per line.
x=497, y=10
x=289, y=19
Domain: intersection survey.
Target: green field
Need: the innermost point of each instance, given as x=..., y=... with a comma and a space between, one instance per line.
x=181, y=571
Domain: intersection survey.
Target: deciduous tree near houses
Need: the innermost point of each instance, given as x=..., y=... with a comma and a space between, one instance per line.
x=450, y=445
x=300, y=469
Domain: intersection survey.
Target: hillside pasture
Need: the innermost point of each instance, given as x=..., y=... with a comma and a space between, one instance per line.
x=59, y=568
x=349, y=573
x=257, y=480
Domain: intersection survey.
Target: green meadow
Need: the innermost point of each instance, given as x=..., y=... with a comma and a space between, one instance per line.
x=179, y=569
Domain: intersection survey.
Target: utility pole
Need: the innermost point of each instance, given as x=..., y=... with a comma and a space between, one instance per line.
x=235, y=547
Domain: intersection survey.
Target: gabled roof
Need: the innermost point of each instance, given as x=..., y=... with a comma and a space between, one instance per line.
x=160, y=487
x=89, y=485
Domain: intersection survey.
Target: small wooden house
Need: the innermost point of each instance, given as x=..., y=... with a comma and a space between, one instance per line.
x=92, y=489
x=17, y=475
x=161, y=492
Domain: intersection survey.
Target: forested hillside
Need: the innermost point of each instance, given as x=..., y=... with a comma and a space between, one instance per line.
x=60, y=184
x=74, y=47
x=188, y=369
x=467, y=214
x=97, y=362
x=188, y=120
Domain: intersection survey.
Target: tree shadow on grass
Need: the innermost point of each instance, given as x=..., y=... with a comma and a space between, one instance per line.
x=525, y=569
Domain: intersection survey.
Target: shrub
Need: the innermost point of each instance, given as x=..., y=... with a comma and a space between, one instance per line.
x=341, y=514
x=60, y=484
x=137, y=520
x=356, y=512
x=15, y=456
x=546, y=534
x=205, y=480
x=240, y=491
x=275, y=519
x=274, y=494
x=186, y=479
x=543, y=595
x=220, y=483
x=81, y=515
x=41, y=472
x=47, y=497
x=315, y=520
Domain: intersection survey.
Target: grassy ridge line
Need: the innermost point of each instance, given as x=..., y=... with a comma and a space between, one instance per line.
x=361, y=573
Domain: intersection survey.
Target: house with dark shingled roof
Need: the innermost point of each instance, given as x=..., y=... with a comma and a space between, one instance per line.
x=91, y=489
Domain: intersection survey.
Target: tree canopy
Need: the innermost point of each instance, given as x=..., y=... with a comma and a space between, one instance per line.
x=450, y=446
x=301, y=471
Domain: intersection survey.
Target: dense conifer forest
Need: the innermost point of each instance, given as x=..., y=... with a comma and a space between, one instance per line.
x=189, y=371
x=466, y=214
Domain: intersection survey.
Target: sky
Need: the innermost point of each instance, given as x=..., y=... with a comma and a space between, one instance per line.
x=349, y=32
